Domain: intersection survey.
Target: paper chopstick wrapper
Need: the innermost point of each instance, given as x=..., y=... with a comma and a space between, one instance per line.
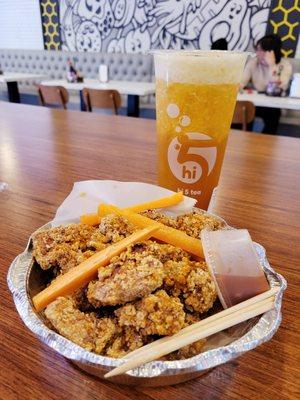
x=87, y=195
x=234, y=265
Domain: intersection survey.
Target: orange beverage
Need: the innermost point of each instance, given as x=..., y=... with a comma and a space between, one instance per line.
x=195, y=98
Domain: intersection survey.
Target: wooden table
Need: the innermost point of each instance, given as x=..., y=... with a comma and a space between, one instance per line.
x=12, y=78
x=44, y=151
x=132, y=89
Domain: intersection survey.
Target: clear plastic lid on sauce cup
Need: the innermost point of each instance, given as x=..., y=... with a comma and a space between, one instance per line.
x=234, y=265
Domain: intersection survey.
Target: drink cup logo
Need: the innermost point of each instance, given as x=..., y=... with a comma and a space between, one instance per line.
x=191, y=155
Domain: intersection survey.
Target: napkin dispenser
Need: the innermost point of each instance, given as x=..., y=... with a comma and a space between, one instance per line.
x=103, y=73
x=295, y=86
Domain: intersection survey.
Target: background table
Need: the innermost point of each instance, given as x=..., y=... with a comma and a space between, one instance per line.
x=132, y=89
x=43, y=151
x=12, y=78
x=262, y=100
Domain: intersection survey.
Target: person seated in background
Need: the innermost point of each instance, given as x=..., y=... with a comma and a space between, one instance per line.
x=268, y=69
x=220, y=44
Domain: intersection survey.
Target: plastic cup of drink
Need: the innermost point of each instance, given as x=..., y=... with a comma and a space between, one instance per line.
x=195, y=100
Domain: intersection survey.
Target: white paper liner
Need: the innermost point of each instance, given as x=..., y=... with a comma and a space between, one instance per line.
x=87, y=195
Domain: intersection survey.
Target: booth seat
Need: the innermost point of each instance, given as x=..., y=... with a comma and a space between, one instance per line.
x=54, y=64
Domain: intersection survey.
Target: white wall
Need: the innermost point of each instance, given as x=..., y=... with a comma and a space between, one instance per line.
x=20, y=24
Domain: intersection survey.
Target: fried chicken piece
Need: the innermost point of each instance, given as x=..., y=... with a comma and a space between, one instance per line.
x=135, y=273
x=64, y=246
x=138, y=271
x=192, y=282
x=97, y=241
x=176, y=273
x=156, y=314
x=188, y=351
x=123, y=344
x=104, y=335
x=84, y=329
x=115, y=227
x=106, y=331
x=192, y=349
x=184, y=277
x=121, y=282
x=191, y=318
x=193, y=223
x=71, y=323
x=163, y=252
x=67, y=246
x=81, y=300
x=159, y=217
x=201, y=291
x=100, y=335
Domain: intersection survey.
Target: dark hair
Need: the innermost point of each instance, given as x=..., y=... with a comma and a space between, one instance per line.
x=271, y=42
x=220, y=44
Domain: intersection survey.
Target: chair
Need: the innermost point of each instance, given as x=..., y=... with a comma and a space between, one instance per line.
x=244, y=113
x=54, y=95
x=101, y=99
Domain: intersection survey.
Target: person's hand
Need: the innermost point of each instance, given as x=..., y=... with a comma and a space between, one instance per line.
x=269, y=58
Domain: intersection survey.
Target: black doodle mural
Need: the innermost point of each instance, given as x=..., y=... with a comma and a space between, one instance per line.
x=136, y=26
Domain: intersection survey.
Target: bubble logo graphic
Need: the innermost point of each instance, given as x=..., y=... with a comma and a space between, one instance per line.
x=191, y=155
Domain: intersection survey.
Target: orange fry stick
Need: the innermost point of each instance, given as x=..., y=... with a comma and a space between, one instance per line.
x=174, y=199
x=168, y=201
x=90, y=219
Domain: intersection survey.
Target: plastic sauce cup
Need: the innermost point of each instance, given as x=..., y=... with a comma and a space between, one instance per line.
x=234, y=265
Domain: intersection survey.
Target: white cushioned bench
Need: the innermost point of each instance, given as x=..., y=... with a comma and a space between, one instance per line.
x=53, y=64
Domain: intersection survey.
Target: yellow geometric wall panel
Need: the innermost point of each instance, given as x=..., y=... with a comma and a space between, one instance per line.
x=284, y=20
x=50, y=23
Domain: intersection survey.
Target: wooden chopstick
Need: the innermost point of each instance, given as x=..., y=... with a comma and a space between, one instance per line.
x=207, y=320
x=175, y=343
x=191, y=334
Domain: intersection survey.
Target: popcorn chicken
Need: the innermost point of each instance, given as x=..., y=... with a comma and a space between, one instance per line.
x=100, y=335
x=192, y=223
x=192, y=282
x=65, y=246
x=151, y=289
x=114, y=228
x=156, y=314
x=122, y=282
x=79, y=327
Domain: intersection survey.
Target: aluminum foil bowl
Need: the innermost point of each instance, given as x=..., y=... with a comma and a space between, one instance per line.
x=25, y=279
